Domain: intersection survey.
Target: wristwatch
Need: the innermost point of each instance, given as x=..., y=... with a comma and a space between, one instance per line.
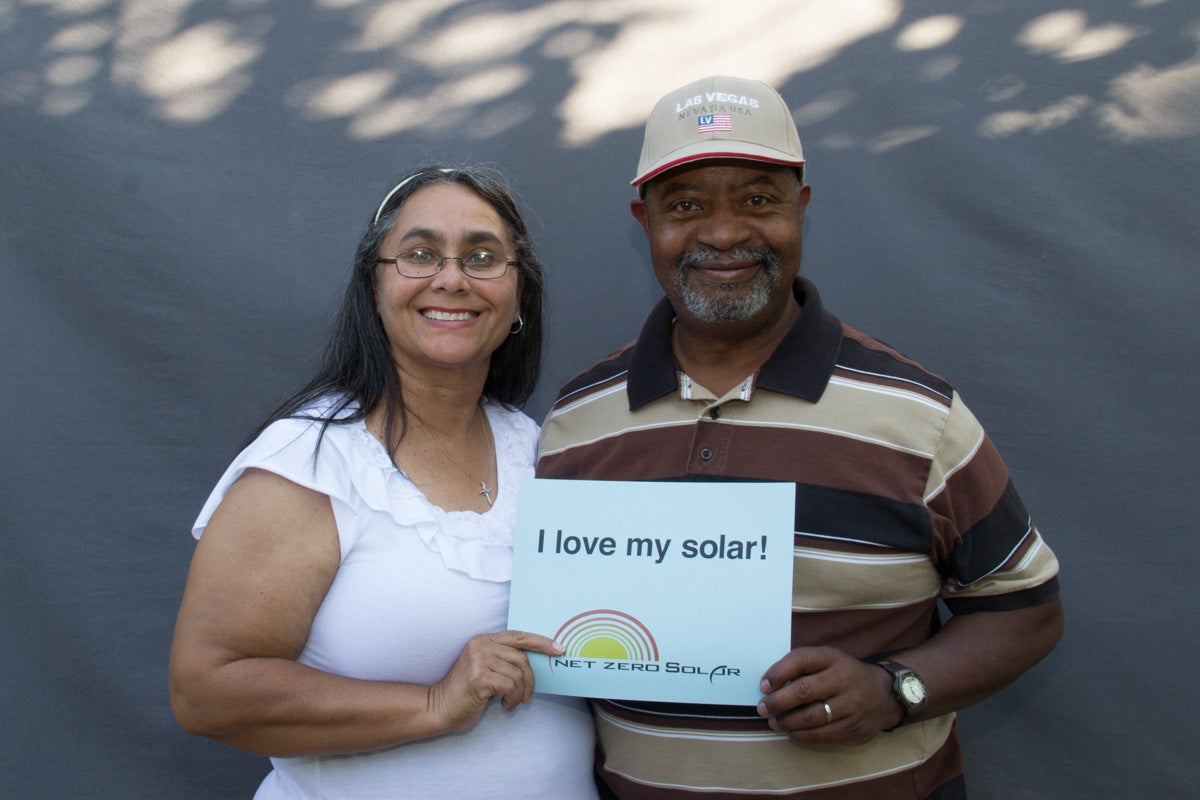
x=908, y=688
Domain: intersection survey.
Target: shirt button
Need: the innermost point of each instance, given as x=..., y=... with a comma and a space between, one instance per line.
x=706, y=453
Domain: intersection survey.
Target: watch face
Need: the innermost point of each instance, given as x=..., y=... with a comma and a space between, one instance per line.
x=912, y=689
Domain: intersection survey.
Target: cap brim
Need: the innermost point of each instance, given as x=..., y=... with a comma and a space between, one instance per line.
x=717, y=149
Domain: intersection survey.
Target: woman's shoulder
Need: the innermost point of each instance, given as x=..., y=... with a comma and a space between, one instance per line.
x=304, y=432
x=317, y=446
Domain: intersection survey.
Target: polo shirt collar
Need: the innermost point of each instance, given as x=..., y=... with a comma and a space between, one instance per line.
x=801, y=366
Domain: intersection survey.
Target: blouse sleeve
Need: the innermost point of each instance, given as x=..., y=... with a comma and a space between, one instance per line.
x=288, y=448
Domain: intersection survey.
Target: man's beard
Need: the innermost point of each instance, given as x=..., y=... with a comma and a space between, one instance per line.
x=728, y=302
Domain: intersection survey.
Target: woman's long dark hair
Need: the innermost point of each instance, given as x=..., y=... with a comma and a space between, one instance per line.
x=357, y=372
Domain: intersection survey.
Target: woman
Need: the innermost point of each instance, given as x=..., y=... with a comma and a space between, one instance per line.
x=346, y=604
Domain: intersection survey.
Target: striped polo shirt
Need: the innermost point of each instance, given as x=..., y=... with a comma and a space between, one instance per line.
x=901, y=500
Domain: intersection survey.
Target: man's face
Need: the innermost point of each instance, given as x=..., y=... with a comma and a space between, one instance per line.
x=725, y=239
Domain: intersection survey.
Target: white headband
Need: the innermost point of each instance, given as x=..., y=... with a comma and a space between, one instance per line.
x=398, y=187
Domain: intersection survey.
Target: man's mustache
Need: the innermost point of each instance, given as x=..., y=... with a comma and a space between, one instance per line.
x=765, y=255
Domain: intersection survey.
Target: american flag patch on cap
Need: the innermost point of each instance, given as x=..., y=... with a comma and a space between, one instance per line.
x=707, y=123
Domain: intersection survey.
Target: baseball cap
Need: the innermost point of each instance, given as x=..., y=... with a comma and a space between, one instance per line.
x=718, y=117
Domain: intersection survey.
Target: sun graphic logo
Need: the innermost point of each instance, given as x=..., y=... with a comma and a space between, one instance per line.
x=605, y=633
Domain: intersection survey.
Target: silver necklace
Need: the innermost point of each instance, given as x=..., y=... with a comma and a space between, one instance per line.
x=484, y=489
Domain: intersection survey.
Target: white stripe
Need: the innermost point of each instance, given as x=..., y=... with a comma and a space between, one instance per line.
x=892, y=378
x=620, y=387
x=749, y=423
x=681, y=733
x=1037, y=546
x=583, y=389
x=890, y=391
x=860, y=558
x=1034, y=549
x=846, y=539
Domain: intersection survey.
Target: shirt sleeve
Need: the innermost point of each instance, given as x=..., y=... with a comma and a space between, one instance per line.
x=991, y=555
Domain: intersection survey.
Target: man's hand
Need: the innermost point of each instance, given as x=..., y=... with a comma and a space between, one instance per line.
x=820, y=695
x=971, y=658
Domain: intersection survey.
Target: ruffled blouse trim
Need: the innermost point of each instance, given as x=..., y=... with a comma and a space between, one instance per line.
x=353, y=468
x=479, y=545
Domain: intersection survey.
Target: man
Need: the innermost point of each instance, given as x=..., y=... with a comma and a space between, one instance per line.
x=741, y=374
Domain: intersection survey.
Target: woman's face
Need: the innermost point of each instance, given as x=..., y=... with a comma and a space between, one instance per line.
x=448, y=321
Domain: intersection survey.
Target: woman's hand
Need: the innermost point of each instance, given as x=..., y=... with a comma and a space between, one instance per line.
x=490, y=664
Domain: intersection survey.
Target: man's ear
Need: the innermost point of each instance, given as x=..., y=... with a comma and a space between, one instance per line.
x=637, y=207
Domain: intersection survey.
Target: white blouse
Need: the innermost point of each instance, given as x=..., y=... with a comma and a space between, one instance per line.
x=415, y=583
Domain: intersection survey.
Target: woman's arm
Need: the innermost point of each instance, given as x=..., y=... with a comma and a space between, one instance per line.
x=259, y=573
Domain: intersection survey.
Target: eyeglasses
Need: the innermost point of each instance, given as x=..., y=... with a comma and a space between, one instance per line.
x=424, y=263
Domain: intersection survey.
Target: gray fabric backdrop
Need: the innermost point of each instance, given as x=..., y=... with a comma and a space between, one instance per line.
x=1005, y=190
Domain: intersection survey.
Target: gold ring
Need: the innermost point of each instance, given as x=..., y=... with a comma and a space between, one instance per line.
x=828, y=713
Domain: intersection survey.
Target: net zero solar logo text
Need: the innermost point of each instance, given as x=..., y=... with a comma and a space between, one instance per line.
x=607, y=639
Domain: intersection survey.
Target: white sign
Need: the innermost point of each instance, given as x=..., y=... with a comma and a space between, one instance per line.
x=677, y=592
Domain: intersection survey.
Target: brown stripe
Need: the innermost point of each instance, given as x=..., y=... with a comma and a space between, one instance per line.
x=864, y=634
x=825, y=459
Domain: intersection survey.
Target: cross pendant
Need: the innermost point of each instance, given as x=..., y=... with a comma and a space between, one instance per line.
x=485, y=491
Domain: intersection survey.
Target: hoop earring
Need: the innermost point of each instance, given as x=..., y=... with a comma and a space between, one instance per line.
x=515, y=329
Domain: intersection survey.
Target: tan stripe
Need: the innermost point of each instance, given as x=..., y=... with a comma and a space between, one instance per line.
x=763, y=762
x=825, y=580
x=877, y=415
x=605, y=416
x=961, y=438
x=870, y=413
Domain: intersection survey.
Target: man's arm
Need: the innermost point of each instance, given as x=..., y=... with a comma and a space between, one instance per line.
x=971, y=658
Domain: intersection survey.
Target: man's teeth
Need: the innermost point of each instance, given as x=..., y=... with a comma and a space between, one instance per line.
x=448, y=316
